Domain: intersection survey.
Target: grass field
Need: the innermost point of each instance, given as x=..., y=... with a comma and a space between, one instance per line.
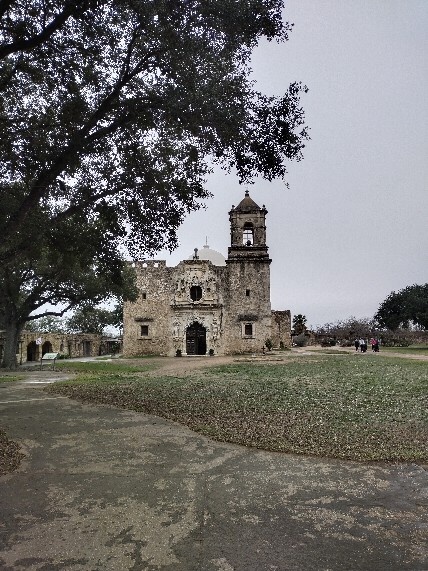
x=360, y=407
x=412, y=350
x=103, y=366
x=9, y=378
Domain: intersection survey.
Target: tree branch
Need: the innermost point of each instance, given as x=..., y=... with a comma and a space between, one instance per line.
x=59, y=20
x=79, y=141
x=50, y=313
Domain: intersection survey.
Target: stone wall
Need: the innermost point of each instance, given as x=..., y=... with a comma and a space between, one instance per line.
x=71, y=345
x=146, y=321
x=247, y=306
x=281, y=329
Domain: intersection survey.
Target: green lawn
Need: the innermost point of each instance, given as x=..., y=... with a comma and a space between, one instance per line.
x=8, y=378
x=352, y=406
x=102, y=367
x=412, y=350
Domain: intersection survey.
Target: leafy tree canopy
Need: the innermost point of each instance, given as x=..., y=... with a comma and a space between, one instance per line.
x=111, y=113
x=90, y=319
x=110, y=108
x=350, y=328
x=408, y=306
x=299, y=323
x=67, y=266
x=47, y=325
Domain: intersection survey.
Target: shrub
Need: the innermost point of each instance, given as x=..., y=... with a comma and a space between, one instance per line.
x=390, y=341
x=300, y=340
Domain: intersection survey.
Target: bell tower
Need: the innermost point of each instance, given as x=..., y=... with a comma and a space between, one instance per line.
x=248, y=311
x=248, y=231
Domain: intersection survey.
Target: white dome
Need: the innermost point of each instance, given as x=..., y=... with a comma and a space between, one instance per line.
x=212, y=256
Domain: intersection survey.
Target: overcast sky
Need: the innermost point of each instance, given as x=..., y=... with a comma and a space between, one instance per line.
x=354, y=224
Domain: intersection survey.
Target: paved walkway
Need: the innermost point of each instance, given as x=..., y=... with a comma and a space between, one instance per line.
x=103, y=489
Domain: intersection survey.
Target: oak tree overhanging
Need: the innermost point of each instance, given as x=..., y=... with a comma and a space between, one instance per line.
x=111, y=113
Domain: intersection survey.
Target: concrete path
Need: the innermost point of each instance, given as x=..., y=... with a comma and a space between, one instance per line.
x=103, y=489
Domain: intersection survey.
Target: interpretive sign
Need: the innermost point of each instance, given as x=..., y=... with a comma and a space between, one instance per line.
x=49, y=357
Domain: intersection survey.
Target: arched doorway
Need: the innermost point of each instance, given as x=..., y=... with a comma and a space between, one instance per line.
x=33, y=351
x=46, y=347
x=196, y=339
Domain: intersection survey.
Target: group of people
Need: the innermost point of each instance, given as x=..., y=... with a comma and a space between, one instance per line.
x=362, y=345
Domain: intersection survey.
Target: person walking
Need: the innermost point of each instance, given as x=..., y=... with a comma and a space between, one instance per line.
x=357, y=344
x=363, y=345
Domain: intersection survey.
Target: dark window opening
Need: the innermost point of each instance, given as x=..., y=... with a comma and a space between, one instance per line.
x=144, y=330
x=144, y=295
x=195, y=293
x=247, y=293
x=248, y=329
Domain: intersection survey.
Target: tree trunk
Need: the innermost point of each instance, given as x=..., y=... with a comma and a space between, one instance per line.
x=11, y=346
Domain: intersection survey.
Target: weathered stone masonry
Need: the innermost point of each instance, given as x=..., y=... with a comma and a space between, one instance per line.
x=33, y=344
x=208, y=304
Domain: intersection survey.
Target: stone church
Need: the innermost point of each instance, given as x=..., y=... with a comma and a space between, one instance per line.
x=209, y=305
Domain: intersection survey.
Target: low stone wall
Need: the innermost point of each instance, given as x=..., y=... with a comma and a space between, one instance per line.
x=33, y=344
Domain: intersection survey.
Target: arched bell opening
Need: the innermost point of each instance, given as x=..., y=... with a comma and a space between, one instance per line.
x=248, y=234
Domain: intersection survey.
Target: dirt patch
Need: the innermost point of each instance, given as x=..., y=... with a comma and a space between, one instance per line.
x=10, y=455
x=181, y=366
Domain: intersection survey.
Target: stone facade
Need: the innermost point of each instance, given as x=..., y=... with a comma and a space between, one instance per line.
x=208, y=305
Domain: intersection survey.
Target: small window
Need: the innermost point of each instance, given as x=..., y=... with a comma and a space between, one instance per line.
x=144, y=295
x=195, y=293
x=248, y=329
x=144, y=331
x=248, y=234
x=247, y=292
